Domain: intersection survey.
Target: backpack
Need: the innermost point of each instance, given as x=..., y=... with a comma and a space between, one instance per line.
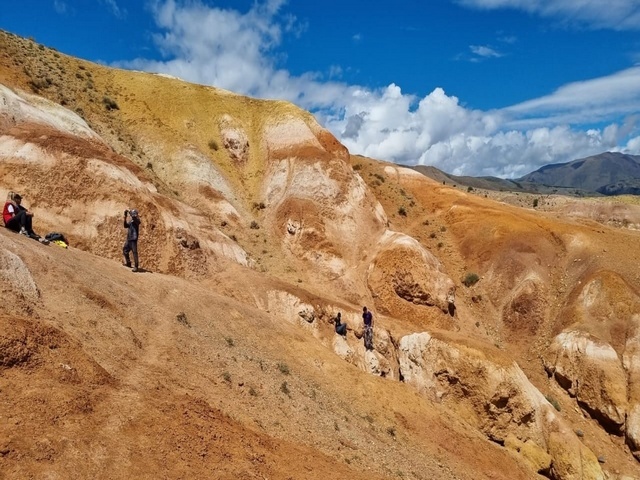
x=55, y=236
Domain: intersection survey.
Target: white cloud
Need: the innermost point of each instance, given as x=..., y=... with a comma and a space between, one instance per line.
x=357, y=37
x=238, y=51
x=614, y=14
x=583, y=102
x=484, y=51
x=115, y=9
x=59, y=6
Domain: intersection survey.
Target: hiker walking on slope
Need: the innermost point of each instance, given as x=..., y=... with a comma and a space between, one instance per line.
x=367, y=318
x=131, y=243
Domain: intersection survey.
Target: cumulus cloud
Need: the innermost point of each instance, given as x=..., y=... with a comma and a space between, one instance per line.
x=239, y=52
x=615, y=14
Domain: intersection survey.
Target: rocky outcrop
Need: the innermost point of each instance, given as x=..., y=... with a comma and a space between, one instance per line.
x=318, y=206
x=631, y=362
x=590, y=370
x=499, y=400
x=15, y=276
x=403, y=270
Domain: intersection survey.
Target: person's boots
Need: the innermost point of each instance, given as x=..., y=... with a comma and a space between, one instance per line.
x=127, y=262
x=134, y=269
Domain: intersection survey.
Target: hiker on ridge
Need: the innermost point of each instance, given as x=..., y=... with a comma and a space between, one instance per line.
x=18, y=218
x=367, y=318
x=131, y=243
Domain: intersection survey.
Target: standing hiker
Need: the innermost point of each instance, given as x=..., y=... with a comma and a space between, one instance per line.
x=367, y=318
x=131, y=243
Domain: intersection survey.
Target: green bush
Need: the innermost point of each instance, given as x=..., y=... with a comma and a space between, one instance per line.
x=470, y=279
x=553, y=402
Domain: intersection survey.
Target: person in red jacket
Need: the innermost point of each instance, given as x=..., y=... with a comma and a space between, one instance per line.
x=15, y=216
x=18, y=218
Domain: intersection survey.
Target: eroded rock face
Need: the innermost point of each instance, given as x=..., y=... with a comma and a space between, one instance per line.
x=631, y=361
x=320, y=209
x=591, y=371
x=404, y=269
x=235, y=140
x=498, y=400
x=15, y=274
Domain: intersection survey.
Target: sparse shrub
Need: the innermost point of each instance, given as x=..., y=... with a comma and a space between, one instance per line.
x=402, y=211
x=259, y=206
x=535, y=203
x=379, y=177
x=391, y=431
x=440, y=244
x=470, y=279
x=357, y=166
x=254, y=225
x=252, y=392
x=226, y=376
x=553, y=402
x=110, y=104
x=432, y=235
x=284, y=368
x=182, y=318
x=443, y=229
x=469, y=189
x=284, y=388
x=233, y=237
x=150, y=165
x=230, y=342
x=426, y=222
x=213, y=145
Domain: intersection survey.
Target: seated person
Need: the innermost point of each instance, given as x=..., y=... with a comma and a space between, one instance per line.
x=341, y=328
x=18, y=218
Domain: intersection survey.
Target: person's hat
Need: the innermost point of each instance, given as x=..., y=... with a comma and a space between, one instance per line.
x=134, y=213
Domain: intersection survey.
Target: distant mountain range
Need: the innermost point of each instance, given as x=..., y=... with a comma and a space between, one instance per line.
x=609, y=173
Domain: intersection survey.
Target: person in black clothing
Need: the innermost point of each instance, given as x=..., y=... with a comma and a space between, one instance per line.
x=367, y=318
x=341, y=328
x=131, y=243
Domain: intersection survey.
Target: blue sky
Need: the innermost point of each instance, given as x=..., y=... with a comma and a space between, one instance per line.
x=474, y=87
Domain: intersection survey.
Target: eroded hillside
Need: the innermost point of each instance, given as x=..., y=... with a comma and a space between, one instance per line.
x=505, y=337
